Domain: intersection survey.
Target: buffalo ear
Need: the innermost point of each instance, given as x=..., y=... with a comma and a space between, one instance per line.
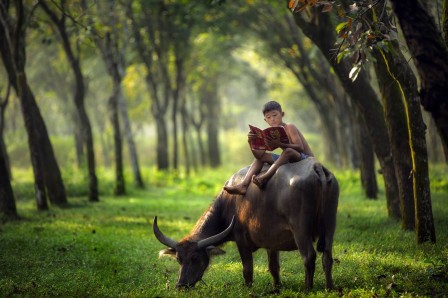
x=214, y=251
x=168, y=252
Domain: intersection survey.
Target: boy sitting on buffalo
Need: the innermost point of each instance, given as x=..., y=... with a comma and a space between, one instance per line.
x=296, y=150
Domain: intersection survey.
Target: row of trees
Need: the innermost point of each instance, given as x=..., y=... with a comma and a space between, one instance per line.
x=160, y=34
x=398, y=135
x=327, y=59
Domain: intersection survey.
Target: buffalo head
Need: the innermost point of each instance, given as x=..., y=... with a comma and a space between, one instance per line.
x=192, y=256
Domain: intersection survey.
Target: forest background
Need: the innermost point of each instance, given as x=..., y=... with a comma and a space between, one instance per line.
x=173, y=85
x=142, y=89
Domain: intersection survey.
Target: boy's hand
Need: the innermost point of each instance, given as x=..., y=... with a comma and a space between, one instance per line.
x=257, y=153
x=251, y=135
x=273, y=143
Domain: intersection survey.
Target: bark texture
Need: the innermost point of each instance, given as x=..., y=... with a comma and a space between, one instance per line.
x=431, y=57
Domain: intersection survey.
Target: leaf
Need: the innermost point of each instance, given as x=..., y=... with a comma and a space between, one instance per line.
x=340, y=26
x=293, y=4
x=341, y=55
x=354, y=72
x=349, y=23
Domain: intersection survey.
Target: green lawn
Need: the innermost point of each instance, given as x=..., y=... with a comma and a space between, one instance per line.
x=107, y=249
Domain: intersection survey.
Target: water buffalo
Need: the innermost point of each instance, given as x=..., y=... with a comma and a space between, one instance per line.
x=297, y=206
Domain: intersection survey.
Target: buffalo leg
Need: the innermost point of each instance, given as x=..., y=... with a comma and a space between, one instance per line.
x=274, y=266
x=309, y=258
x=327, y=263
x=248, y=265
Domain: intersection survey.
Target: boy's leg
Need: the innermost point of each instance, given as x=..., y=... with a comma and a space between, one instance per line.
x=254, y=169
x=286, y=156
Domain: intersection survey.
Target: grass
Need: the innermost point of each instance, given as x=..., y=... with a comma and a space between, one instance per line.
x=107, y=249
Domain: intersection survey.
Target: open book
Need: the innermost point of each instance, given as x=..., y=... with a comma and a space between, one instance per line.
x=258, y=143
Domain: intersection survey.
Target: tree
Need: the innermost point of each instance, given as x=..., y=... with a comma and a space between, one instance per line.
x=111, y=38
x=47, y=175
x=79, y=90
x=399, y=111
x=400, y=101
x=390, y=64
x=431, y=56
x=154, y=50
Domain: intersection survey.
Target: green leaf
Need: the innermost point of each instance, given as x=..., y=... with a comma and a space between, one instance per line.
x=341, y=26
x=341, y=55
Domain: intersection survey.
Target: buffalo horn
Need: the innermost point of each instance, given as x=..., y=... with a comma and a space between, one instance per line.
x=162, y=238
x=218, y=237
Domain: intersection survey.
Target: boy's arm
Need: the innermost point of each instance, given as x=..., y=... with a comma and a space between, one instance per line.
x=295, y=138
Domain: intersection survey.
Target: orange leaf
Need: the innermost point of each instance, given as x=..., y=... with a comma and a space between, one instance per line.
x=291, y=4
x=349, y=23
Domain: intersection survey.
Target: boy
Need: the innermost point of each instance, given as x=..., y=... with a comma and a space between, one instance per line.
x=296, y=150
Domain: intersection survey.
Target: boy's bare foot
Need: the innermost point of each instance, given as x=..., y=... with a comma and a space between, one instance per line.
x=259, y=181
x=238, y=189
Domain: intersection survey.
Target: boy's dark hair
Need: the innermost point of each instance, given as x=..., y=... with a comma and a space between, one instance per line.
x=270, y=106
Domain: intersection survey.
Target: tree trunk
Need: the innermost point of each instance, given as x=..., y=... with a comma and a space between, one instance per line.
x=214, y=110
x=78, y=140
x=105, y=144
x=396, y=122
x=202, y=153
x=78, y=98
x=162, y=143
x=154, y=54
x=177, y=94
x=3, y=104
x=185, y=135
x=131, y=144
x=28, y=105
x=175, y=134
x=430, y=53
x=113, y=56
x=7, y=201
x=120, y=188
x=367, y=163
x=431, y=56
x=46, y=170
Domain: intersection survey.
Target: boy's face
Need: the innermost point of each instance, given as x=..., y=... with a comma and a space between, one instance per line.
x=274, y=117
